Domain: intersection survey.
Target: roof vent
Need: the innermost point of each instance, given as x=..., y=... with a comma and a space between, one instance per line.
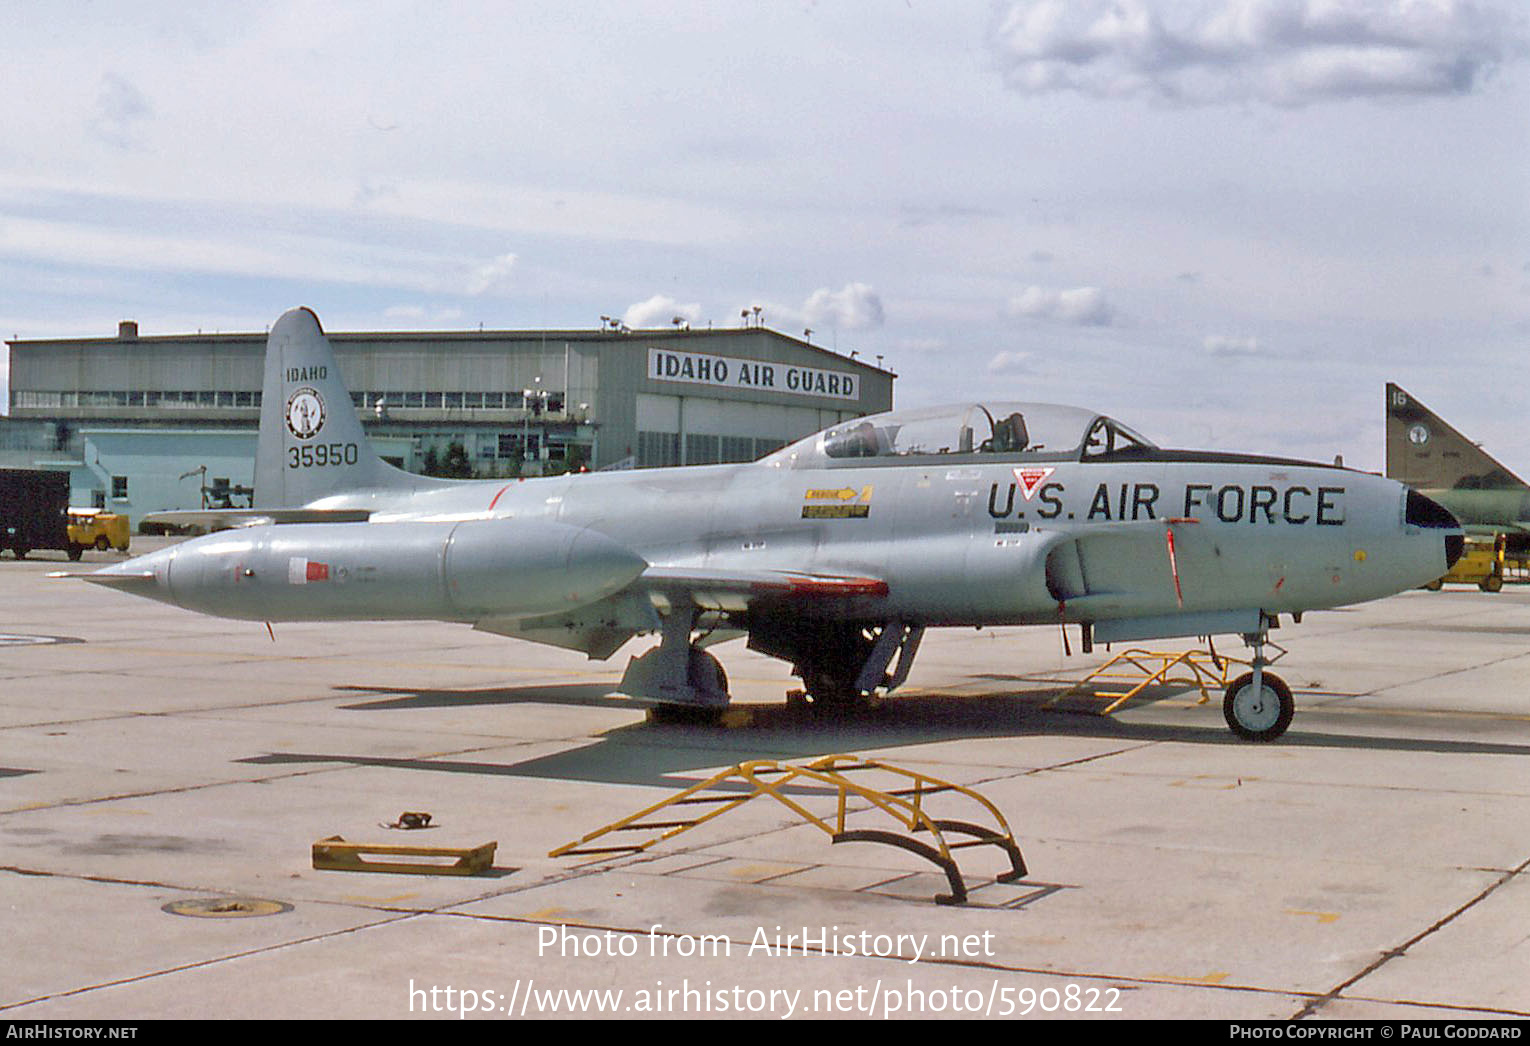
x=127, y=330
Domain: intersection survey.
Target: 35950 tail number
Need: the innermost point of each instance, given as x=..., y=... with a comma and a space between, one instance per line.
x=322, y=455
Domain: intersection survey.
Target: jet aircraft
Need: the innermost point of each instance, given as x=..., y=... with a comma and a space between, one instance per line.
x=834, y=553
x=1430, y=456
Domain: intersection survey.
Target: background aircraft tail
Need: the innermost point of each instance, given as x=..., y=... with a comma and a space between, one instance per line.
x=311, y=441
x=1428, y=454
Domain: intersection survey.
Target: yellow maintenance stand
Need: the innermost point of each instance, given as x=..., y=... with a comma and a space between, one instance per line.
x=1131, y=672
x=826, y=782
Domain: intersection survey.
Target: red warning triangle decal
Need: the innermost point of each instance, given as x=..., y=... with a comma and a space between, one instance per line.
x=1031, y=480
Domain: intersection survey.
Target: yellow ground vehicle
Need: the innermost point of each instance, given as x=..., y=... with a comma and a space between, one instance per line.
x=96, y=528
x=1481, y=565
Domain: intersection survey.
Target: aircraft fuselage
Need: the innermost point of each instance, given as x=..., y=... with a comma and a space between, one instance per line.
x=957, y=542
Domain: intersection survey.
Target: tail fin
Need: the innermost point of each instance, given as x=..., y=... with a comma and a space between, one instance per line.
x=311, y=441
x=1427, y=454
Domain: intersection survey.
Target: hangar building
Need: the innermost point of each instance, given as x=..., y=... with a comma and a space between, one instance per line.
x=145, y=424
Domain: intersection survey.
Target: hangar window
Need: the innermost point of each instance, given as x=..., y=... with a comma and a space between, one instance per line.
x=657, y=449
x=119, y=488
x=737, y=448
x=701, y=449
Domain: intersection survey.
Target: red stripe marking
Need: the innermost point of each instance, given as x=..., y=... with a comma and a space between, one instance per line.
x=1174, y=568
x=839, y=586
x=497, y=496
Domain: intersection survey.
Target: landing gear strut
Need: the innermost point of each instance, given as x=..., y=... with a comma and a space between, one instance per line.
x=842, y=665
x=675, y=673
x=1258, y=705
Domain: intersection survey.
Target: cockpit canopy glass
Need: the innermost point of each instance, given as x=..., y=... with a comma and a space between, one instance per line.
x=1032, y=431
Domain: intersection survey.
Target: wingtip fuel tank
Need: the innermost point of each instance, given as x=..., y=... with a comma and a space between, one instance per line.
x=453, y=571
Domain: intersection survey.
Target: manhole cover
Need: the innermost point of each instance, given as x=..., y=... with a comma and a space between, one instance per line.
x=226, y=907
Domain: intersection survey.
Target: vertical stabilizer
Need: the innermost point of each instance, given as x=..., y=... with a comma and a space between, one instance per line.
x=311, y=441
x=1428, y=454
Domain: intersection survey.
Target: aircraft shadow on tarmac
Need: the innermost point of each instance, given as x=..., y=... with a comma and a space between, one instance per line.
x=662, y=755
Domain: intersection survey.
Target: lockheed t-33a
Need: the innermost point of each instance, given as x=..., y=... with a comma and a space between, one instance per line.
x=834, y=553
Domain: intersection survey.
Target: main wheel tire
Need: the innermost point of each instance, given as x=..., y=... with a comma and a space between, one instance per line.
x=829, y=690
x=1261, y=715
x=705, y=672
x=21, y=551
x=76, y=551
x=1492, y=583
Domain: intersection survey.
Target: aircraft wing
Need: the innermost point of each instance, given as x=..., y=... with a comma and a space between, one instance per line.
x=224, y=519
x=599, y=629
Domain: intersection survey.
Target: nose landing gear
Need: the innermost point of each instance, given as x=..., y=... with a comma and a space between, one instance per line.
x=1258, y=705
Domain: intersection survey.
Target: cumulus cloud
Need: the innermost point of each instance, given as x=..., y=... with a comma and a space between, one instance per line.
x=1084, y=306
x=1282, y=52
x=493, y=275
x=119, y=112
x=1227, y=346
x=1012, y=363
x=855, y=307
x=922, y=344
x=660, y=311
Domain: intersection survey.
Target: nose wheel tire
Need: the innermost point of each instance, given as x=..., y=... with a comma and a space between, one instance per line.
x=1258, y=714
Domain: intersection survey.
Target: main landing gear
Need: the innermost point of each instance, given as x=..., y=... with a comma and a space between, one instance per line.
x=675, y=674
x=842, y=665
x=1258, y=705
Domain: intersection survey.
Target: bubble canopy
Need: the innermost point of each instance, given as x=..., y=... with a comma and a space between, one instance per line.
x=1019, y=431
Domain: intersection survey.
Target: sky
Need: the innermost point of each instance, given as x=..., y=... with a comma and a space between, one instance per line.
x=1227, y=223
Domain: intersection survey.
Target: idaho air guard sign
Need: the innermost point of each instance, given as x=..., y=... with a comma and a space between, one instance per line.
x=697, y=368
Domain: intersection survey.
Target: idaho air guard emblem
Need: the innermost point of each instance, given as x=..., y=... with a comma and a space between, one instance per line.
x=305, y=413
